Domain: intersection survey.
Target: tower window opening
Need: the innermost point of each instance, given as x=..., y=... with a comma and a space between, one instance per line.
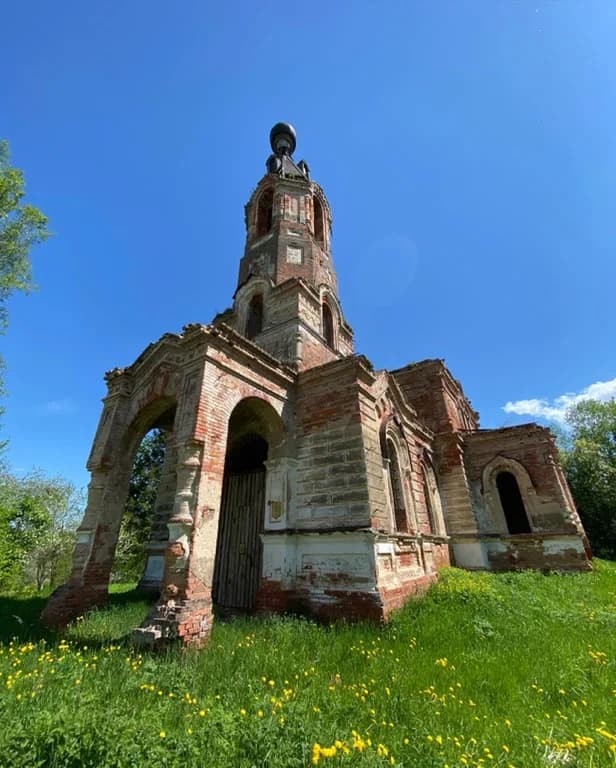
x=512, y=503
x=318, y=221
x=254, y=319
x=328, y=325
x=265, y=213
x=397, y=494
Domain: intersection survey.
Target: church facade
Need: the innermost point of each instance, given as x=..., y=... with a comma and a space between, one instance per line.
x=296, y=476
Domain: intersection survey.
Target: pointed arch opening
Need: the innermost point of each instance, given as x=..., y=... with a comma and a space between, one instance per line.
x=512, y=503
x=254, y=316
x=328, y=324
x=265, y=208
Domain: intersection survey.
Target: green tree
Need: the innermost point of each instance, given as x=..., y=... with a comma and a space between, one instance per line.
x=21, y=226
x=589, y=459
x=38, y=517
x=136, y=524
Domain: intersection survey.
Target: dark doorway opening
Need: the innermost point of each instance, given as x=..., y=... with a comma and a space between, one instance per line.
x=512, y=503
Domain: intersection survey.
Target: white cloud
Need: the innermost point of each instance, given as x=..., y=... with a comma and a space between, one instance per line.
x=59, y=406
x=556, y=409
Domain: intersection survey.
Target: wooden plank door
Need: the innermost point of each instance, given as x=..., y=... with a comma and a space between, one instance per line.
x=237, y=568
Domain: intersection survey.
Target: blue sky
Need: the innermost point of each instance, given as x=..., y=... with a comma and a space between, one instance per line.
x=467, y=149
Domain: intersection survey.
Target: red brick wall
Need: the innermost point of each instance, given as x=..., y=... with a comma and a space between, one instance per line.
x=528, y=444
x=437, y=397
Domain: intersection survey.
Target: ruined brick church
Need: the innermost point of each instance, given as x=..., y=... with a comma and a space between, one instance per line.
x=296, y=476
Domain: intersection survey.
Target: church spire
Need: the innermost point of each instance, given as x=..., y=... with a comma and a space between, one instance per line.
x=283, y=140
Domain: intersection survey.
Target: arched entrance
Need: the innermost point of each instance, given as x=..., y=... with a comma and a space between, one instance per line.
x=146, y=464
x=255, y=433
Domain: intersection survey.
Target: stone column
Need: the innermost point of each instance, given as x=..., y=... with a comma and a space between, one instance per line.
x=180, y=523
x=184, y=608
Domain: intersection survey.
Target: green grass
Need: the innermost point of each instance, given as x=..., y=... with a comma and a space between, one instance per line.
x=485, y=670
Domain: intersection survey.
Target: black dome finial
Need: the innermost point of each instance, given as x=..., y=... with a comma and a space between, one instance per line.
x=283, y=139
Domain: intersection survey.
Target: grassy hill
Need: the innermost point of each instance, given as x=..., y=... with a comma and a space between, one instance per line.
x=485, y=670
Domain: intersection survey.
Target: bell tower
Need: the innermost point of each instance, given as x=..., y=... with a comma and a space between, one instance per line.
x=287, y=291
x=288, y=220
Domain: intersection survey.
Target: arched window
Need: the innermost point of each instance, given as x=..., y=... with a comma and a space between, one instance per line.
x=512, y=503
x=432, y=499
x=328, y=324
x=397, y=493
x=428, y=500
x=254, y=318
x=264, y=212
x=318, y=220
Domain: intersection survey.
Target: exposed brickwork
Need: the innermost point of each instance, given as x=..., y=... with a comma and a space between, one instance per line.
x=533, y=448
x=292, y=226
x=71, y=600
x=437, y=397
x=528, y=551
x=395, y=598
x=273, y=598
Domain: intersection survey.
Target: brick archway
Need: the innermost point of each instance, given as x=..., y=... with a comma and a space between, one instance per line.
x=255, y=438
x=97, y=535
